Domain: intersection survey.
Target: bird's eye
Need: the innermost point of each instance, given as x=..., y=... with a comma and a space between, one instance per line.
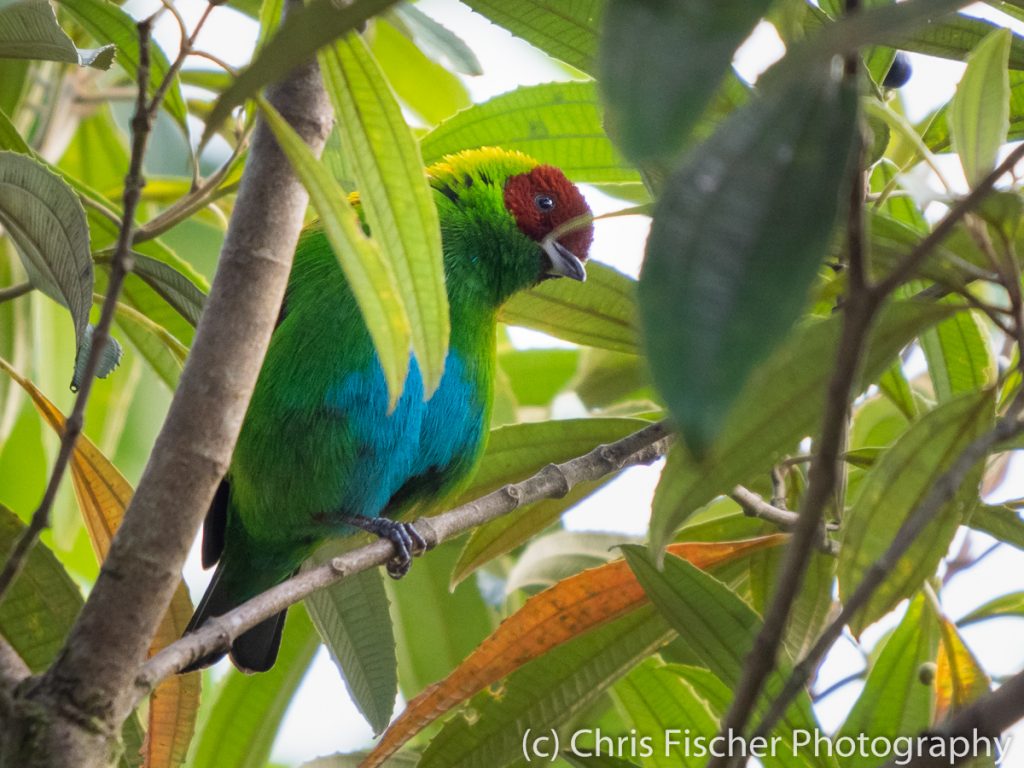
x=544, y=203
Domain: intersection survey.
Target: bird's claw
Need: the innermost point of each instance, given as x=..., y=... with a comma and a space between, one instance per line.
x=407, y=540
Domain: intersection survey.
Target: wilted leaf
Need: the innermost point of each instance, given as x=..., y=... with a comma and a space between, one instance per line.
x=959, y=678
x=103, y=495
x=547, y=620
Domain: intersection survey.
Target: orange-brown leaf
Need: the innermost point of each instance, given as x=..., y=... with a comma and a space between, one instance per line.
x=959, y=678
x=548, y=619
x=103, y=495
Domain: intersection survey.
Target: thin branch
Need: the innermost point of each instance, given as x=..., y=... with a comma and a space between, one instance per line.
x=858, y=315
x=754, y=506
x=14, y=291
x=941, y=492
x=554, y=481
x=838, y=685
x=121, y=265
x=924, y=248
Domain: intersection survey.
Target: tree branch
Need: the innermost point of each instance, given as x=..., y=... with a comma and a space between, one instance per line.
x=941, y=492
x=859, y=312
x=14, y=291
x=754, y=506
x=554, y=481
x=967, y=204
x=92, y=678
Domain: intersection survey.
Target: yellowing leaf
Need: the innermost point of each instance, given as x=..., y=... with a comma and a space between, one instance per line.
x=103, y=495
x=959, y=678
x=547, y=620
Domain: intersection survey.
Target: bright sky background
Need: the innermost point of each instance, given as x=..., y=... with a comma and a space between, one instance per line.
x=322, y=718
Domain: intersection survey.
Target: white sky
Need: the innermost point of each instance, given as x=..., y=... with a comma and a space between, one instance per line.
x=322, y=718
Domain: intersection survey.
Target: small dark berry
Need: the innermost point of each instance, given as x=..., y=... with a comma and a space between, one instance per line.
x=900, y=71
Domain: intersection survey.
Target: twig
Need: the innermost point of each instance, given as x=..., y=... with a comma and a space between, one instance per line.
x=838, y=685
x=754, y=506
x=859, y=313
x=554, y=481
x=120, y=266
x=941, y=492
x=14, y=291
x=921, y=251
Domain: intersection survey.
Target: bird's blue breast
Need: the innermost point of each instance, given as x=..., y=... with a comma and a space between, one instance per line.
x=414, y=447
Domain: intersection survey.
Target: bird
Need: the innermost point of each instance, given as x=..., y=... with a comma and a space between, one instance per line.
x=320, y=453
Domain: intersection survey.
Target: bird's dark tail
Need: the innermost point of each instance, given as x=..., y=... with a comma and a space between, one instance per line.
x=255, y=650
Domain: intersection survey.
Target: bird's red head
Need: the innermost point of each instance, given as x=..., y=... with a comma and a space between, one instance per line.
x=541, y=201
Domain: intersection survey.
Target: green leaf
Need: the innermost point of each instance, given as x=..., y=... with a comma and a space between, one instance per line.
x=954, y=37
x=780, y=405
x=979, y=114
x=566, y=31
x=894, y=486
x=1002, y=523
x=660, y=65
x=45, y=220
x=29, y=30
x=353, y=620
x=177, y=289
x=240, y=728
x=959, y=357
x=657, y=700
x=107, y=23
x=555, y=123
x=394, y=193
x=437, y=40
x=600, y=313
x=430, y=643
x=430, y=90
x=894, y=701
x=999, y=607
x=302, y=33
x=537, y=375
x=717, y=626
x=935, y=127
x=736, y=241
x=551, y=558
x=368, y=274
x=43, y=602
x=545, y=693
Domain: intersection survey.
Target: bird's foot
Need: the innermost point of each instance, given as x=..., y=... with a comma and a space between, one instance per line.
x=404, y=536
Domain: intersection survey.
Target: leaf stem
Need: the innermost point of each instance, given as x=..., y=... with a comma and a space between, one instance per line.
x=14, y=291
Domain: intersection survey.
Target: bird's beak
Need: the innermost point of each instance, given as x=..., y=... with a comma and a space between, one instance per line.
x=564, y=263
